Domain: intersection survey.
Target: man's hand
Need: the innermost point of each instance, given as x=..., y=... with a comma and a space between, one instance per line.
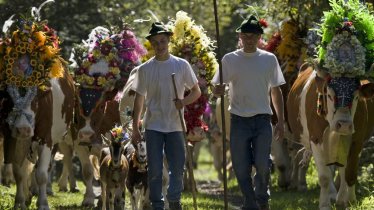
x=136, y=136
x=178, y=103
x=279, y=131
x=219, y=90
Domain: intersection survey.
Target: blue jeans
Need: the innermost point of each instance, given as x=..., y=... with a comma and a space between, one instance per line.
x=250, y=143
x=173, y=145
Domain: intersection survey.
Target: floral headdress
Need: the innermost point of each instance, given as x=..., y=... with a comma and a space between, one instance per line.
x=119, y=134
x=347, y=45
x=189, y=41
x=29, y=55
x=106, y=58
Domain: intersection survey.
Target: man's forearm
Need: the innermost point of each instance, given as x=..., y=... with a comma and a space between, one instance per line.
x=192, y=96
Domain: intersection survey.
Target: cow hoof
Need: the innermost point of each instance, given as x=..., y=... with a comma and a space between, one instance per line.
x=43, y=207
x=74, y=190
x=63, y=189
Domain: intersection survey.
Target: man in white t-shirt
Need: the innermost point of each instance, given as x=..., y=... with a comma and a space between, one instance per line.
x=163, y=130
x=253, y=76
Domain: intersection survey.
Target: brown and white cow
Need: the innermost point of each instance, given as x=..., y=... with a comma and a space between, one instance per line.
x=92, y=122
x=335, y=135
x=30, y=130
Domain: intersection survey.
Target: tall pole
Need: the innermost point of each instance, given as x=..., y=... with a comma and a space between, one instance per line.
x=189, y=152
x=222, y=108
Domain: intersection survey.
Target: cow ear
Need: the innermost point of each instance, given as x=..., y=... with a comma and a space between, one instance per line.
x=367, y=91
x=321, y=83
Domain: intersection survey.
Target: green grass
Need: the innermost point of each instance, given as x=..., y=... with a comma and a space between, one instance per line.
x=210, y=195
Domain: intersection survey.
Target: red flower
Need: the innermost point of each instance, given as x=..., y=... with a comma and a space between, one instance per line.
x=263, y=23
x=348, y=23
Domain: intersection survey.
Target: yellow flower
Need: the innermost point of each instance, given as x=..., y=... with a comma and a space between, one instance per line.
x=8, y=50
x=38, y=74
x=86, y=64
x=49, y=52
x=41, y=67
x=11, y=60
x=115, y=70
x=101, y=81
x=96, y=53
x=15, y=37
x=33, y=62
x=90, y=80
x=56, y=70
x=40, y=38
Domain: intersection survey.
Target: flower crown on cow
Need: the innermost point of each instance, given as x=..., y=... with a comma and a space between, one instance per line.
x=29, y=54
x=189, y=41
x=347, y=45
x=119, y=134
x=106, y=58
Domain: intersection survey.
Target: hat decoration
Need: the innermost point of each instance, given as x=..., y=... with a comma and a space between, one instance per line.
x=106, y=58
x=347, y=45
x=29, y=54
x=189, y=41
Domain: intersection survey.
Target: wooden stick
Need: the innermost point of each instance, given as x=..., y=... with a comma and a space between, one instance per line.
x=189, y=153
x=224, y=163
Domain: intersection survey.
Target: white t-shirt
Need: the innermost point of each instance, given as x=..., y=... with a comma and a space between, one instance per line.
x=250, y=77
x=154, y=81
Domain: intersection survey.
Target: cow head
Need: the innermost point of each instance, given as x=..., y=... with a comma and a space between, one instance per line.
x=341, y=95
x=97, y=114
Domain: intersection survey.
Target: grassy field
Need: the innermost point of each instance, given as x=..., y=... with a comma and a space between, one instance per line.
x=210, y=195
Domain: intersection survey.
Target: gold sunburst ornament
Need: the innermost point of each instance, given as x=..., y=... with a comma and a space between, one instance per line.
x=29, y=55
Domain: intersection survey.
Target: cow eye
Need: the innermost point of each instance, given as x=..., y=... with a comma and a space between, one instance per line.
x=329, y=97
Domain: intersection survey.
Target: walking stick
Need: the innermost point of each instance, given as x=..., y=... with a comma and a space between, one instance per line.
x=222, y=109
x=189, y=155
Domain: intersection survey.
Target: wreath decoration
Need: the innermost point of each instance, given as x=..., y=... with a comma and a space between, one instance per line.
x=349, y=61
x=347, y=24
x=29, y=55
x=189, y=41
x=106, y=58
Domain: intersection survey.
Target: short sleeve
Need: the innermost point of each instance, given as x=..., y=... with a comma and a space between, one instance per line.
x=225, y=72
x=277, y=78
x=189, y=76
x=139, y=84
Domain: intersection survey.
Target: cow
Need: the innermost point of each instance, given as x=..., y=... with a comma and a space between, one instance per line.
x=44, y=120
x=336, y=130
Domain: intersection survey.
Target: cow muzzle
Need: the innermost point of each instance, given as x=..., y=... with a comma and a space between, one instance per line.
x=344, y=127
x=85, y=135
x=23, y=132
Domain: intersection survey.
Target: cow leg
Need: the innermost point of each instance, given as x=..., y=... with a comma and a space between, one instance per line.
x=342, y=196
x=87, y=174
x=324, y=177
x=112, y=195
x=67, y=170
x=279, y=152
x=352, y=194
x=8, y=176
x=141, y=197
x=20, y=178
x=132, y=198
x=103, y=196
x=41, y=175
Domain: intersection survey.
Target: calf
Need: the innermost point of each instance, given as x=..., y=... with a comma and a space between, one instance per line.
x=137, y=182
x=113, y=170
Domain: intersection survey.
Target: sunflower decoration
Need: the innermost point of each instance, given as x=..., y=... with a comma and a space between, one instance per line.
x=292, y=48
x=106, y=58
x=347, y=43
x=189, y=41
x=29, y=55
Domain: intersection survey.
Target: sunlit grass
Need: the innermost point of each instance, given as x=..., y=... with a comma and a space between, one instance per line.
x=210, y=193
